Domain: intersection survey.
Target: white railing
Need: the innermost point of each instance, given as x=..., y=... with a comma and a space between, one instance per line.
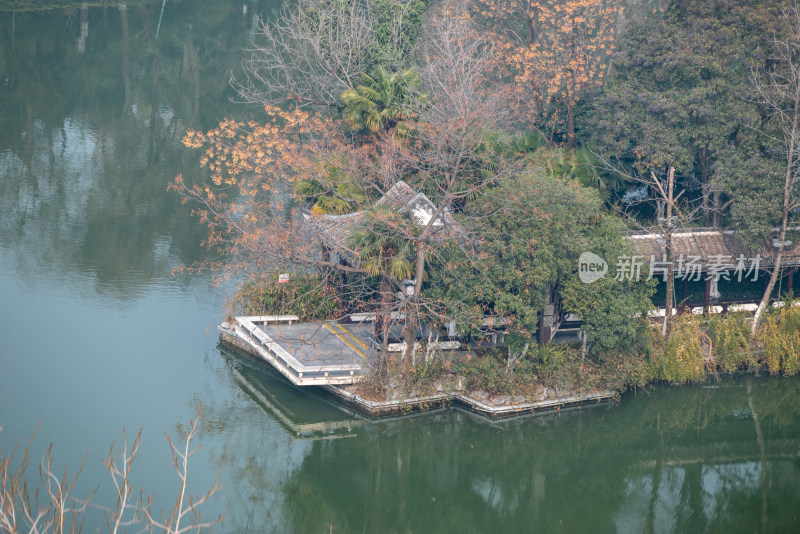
x=299, y=373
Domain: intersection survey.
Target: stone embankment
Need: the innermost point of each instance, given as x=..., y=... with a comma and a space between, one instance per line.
x=482, y=402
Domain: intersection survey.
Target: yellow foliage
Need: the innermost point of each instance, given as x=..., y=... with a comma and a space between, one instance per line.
x=731, y=343
x=681, y=359
x=780, y=336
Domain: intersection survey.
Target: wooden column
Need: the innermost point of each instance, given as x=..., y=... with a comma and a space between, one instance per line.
x=326, y=256
x=706, y=295
x=547, y=319
x=340, y=281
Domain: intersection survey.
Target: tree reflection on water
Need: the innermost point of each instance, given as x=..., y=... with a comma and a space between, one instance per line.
x=92, y=133
x=673, y=459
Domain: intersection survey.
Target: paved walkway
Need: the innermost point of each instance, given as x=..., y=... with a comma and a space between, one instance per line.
x=329, y=343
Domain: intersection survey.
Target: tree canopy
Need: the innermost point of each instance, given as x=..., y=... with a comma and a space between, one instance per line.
x=529, y=235
x=680, y=93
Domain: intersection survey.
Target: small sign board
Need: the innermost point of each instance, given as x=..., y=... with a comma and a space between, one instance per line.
x=283, y=278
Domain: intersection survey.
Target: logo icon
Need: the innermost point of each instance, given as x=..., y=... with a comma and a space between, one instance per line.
x=591, y=267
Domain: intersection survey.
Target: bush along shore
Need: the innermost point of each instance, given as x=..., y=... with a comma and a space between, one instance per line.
x=700, y=348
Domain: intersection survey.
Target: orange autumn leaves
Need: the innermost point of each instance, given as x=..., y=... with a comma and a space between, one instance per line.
x=253, y=156
x=248, y=162
x=255, y=221
x=554, y=48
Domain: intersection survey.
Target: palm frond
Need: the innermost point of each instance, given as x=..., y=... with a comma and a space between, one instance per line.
x=400, y=268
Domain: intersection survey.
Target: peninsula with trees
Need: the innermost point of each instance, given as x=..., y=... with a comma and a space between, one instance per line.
x=518, y=202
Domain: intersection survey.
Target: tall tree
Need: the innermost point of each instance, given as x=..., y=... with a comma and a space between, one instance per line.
x=555, y=49
x=447, y=156
x=678, y=95
x=527, y=235
x=387, y=256
x=318, y=48
x=778, y=86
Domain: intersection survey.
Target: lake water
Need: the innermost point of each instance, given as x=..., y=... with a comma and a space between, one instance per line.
x=97, y=334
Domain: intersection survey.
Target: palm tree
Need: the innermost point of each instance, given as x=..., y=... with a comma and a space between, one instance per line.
x=334, y=194
x=380, y=249
x=582, y=165
x=383, y=253
x=383, y=100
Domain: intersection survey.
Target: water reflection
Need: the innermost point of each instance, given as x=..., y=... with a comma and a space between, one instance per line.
x=303, y=413
x=93, y=108
x=672, y=460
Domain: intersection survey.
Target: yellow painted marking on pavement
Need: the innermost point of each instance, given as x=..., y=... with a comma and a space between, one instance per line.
x=335, y=333
x=352, y=335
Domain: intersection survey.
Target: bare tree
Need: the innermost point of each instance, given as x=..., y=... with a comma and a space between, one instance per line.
x=312, y=52
x=779, y=89
x=186, y=506
x=455, y=62
x=316, y=49
x=21, y=507
x=50, y=508
x=667, y=197
x=119, y=464
x=671, y=214
x=451, y=159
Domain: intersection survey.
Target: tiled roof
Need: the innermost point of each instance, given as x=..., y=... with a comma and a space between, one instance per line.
x=398, y=195
x=337, y=229
x=708, y=245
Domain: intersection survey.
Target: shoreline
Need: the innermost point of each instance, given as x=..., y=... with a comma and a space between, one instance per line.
x=421, y=403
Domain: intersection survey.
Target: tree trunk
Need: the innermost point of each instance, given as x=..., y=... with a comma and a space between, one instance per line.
x=410, y=327
x=341, y=297
x=571, y=103
x=325, y=252
x=773, y=279
x=383, y=317
x=704, y=185
x=716, y=208
x=570, y=124
x=788, y=189
x=669, y=279
x=704, y=207
x=409, y=335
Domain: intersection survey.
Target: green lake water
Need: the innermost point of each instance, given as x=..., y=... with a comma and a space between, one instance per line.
x=97, y=334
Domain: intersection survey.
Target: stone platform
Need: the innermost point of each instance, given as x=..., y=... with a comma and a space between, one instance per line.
x=308, y=354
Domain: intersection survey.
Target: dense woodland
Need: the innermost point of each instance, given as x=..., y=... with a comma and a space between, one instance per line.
x=537, y=130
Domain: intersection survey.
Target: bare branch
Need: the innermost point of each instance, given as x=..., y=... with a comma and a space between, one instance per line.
x=180, y=459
